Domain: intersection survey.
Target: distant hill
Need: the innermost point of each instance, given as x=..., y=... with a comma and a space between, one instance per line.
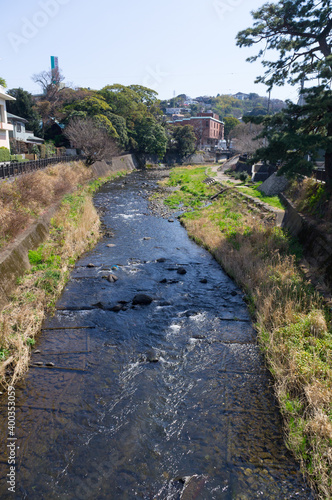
x=225, y=105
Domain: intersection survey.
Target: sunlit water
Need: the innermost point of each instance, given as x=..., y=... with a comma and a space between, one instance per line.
x=193, y=419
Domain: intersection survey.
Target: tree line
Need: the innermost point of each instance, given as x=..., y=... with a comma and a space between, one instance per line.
x=127, y=118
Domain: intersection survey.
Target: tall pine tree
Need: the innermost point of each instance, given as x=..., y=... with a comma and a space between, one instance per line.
x=301, y=33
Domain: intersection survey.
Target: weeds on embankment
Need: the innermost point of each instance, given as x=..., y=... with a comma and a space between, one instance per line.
x=294, y=328
x=311, y=198
x=74, y=229
x=29, y=195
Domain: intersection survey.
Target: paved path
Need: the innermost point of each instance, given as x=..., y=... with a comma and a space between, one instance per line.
x=221, y=176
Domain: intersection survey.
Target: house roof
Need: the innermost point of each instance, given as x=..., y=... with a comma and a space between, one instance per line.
x=16, y=118
x=5, y=96
x=199, y=118
x=34, y=140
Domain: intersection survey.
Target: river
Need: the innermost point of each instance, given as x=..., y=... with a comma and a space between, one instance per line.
x=164, y=400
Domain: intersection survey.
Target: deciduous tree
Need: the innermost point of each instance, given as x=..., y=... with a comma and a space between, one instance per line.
x=245, y=135
x=92, y=139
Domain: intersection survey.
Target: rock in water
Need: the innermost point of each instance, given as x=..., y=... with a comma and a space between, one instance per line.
x=193, y=486
x=117, y=308
x=112, y=278
x=152, y=356
x=142, y=299
x=181, y=270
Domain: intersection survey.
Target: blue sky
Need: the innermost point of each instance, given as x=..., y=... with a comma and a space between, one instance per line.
x=181, y=46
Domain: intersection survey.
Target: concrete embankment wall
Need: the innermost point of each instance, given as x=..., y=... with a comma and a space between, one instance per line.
x=14, y=259
x=103, y=169
x=317, y=244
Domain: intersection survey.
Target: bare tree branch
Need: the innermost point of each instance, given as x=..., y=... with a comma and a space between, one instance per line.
x=93, y=140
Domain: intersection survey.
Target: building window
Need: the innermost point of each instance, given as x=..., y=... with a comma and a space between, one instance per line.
x=206, y=124
x=18, y=127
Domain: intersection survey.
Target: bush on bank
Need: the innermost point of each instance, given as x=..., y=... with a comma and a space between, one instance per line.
x=294, y=327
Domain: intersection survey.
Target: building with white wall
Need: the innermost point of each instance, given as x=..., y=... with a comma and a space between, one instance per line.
x=20, y=133
x=5, y=127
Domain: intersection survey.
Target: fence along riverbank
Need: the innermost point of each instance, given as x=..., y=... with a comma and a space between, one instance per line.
x=13, y=169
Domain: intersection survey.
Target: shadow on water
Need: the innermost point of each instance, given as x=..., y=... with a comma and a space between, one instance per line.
x=167, y=400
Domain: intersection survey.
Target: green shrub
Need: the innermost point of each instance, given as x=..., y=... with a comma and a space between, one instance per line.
x=35, y=256
x=243, y=176
x=47, y=150
x=4, y=154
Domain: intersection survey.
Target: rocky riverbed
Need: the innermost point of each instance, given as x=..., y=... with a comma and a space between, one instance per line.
x=150, y=385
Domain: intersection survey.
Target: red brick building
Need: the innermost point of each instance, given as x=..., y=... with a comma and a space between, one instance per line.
x=208, y=129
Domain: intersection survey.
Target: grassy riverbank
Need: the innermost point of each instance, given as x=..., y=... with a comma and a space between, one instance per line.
x=294, y=327
x=75, y=228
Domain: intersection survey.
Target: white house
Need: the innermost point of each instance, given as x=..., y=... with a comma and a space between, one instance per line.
x=5, y=127
x=19, y=131
x=241, y=96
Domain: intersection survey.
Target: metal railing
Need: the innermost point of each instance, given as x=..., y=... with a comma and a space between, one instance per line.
x=319, y=174
x=14, y=168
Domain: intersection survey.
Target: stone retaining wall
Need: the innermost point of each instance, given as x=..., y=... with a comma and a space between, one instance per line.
x=14, y=259
x=317, y=244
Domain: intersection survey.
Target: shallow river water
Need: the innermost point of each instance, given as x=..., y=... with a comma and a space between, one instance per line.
x=167, y=400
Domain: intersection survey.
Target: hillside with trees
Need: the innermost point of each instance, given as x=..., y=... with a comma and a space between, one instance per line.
x=224, y=105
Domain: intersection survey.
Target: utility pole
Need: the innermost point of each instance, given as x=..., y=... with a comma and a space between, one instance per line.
x=269, y=102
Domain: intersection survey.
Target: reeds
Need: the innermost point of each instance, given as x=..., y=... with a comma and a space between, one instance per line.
x=72, y=233
x=293, y=325
x=29, y=195
x=74, y=229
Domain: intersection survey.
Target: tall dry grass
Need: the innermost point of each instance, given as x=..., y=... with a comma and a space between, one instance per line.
x=74, y=229
x=28, y=196
x=293, y=326
x=20, y=321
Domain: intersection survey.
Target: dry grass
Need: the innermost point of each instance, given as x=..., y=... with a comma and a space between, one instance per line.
x=293, y=327
x=29, y=195
x=74, y=229
x=20, y=321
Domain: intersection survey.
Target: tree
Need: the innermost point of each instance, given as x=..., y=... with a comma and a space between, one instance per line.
x=92, y=105
x=3, y=82
x=119, y=124
x=24, y=106
x=230, y=123
x=148, y=138
x=92, y=139
x=301, y=32
x=49, y=82
x=147, y=96
x=226, y=105
x=184, y=141
x=124, y=101
x=245, y=135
